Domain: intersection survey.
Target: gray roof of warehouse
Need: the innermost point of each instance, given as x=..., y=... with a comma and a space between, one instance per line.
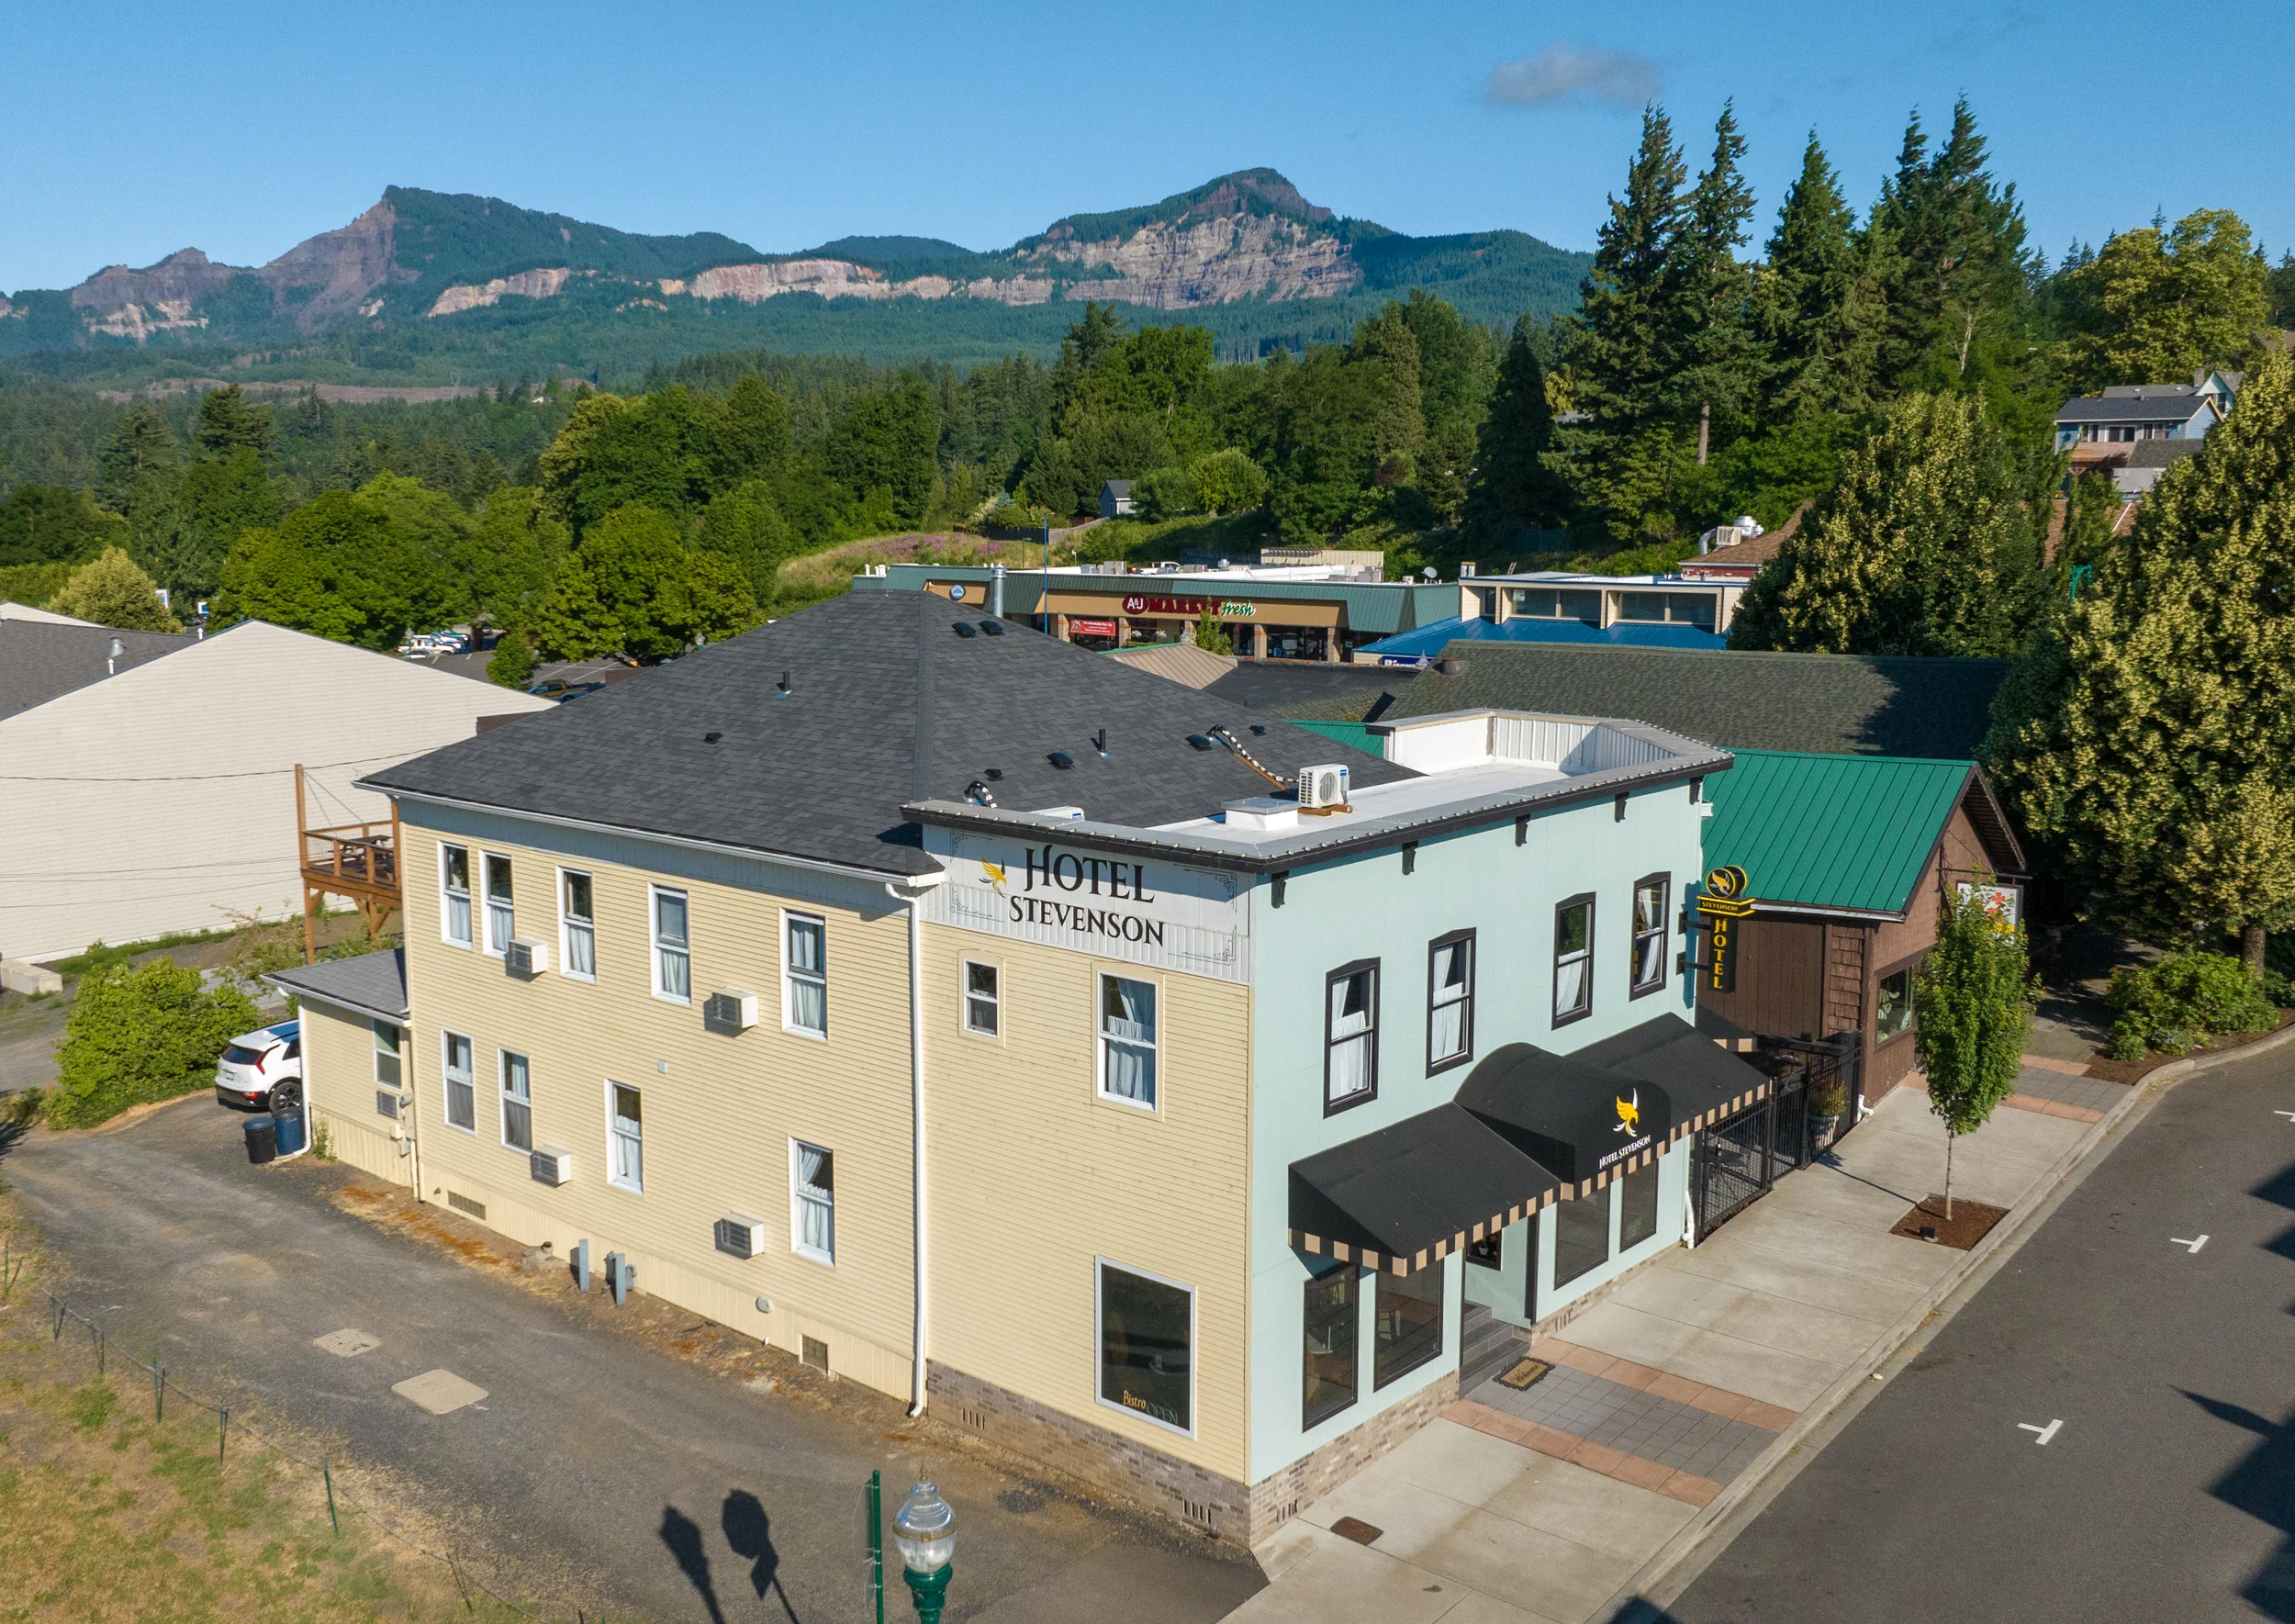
x=824, y=773
x=2133, y=408
x=1832, y=704
x=372, y=983
x=40, y=661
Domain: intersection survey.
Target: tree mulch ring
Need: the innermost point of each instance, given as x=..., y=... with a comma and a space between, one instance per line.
x=1971, y=1222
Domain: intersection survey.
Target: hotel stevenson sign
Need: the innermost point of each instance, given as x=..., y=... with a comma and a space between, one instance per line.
x=1723, y=903
x=1067, y=896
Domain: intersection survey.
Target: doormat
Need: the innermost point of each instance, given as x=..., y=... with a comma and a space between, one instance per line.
x=1525, y=1374
x=1972, y=1221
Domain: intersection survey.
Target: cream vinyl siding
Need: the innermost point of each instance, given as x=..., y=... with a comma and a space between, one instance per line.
x=718, y=1122
x=1033, y=1175
x=175, y=846
x=339, y=1085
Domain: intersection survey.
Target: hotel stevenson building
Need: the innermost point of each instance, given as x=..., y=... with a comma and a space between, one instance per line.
x=1160, y=1088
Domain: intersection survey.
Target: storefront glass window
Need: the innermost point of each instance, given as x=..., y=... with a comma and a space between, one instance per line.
x=1331, y=1308
x=1407, y=1329
x=1893, y=1014
x=1637, y=1207
x=1580, y=1236
x=1551, y=603
x=1147, y=1346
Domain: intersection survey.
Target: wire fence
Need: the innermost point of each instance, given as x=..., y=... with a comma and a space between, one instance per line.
x=166, y=1390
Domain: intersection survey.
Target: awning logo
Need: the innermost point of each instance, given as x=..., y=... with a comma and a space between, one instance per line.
x=1629, y=1114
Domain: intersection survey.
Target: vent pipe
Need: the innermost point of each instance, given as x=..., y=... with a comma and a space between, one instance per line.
x=996, y=591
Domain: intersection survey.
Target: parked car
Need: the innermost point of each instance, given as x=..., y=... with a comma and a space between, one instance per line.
x=257, y=1060
x=560, y=690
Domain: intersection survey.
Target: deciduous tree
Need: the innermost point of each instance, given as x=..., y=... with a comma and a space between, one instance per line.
x=111, y=591
x=1971, y=1000
x=2156, y=305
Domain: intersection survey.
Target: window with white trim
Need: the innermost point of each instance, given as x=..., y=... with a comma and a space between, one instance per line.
x=1127, y=1040
x=501, y=912
x=673, y=947
x=805, y=974
x=387, y=1069
x=811, y=1202
x=1146, y=1328
x=1449, y=1000
x=517, y=1101
x=1573, y=960
x=1350, y=1035
x=625, y=1137
x=579, y=951
x=461, y=1096
x=454, y=885
x=983, y=999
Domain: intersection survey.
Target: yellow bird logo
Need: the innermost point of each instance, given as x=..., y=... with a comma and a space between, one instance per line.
x=995, y=877
x=1629, y=1114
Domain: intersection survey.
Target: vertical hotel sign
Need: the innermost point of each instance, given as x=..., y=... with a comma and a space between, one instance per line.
x=1723, y=903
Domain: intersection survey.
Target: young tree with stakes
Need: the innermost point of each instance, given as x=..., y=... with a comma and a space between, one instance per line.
x=1971, y=1000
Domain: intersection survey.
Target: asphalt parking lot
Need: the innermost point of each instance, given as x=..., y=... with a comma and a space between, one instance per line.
x=666, y=1489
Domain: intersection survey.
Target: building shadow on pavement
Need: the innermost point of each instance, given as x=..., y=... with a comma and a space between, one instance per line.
x=2262, y=1485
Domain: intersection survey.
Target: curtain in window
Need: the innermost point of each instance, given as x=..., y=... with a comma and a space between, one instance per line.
x=518, y=1119
x=628, y=1138
x=500, y=918
x=1350, y=1036
x=1574, y=952
x=581, y=931
x=1648, y=935
x=1570, y=982
x=1127, y=1024
x=808, y=986
x=816, y=1200
x=461, y=1101
x=457, y=885
x=1448, y=1016
x=670, y=944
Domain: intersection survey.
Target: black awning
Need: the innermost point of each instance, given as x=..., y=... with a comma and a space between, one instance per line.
x=1582, y=1121
x=1706, y=1082
x=1409, y=1195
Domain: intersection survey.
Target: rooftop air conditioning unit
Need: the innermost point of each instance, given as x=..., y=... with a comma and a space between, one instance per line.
x=730, y=1009
x=1321, y=788
x=552, y=1166
x=740, y=1236
x=526, y=957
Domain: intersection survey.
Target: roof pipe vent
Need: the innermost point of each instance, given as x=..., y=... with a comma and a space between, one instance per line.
x=783, y=691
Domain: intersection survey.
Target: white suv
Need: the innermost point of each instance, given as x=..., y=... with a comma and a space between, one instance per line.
x=257, y=1060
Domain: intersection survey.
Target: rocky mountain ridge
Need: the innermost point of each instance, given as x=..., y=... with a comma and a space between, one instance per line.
x=422, y=257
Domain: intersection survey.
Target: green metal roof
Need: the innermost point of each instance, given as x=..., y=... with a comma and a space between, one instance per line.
x=1849, y=832
x=1357, y=733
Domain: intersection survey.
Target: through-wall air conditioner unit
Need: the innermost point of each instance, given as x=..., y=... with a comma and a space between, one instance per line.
x=390, y=1102
x=1321, y=788
x=730, y=1009
x=740, y=1236
x=526, y=957
x=552, y=1166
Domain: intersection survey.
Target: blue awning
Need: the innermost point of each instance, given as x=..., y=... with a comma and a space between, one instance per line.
x=1427, y=642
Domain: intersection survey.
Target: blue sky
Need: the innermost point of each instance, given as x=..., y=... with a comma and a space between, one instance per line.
x=131, y=130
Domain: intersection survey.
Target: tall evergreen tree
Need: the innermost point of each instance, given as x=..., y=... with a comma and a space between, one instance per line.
x=229, y=421
x=1952, y=254
x=1716, y=351
x=142, y=447
x=1514, y=489
x=2148, y=739
x=1818, y=304
x=1923, y=548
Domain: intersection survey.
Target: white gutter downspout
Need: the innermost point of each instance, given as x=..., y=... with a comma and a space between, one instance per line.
x=911, y=893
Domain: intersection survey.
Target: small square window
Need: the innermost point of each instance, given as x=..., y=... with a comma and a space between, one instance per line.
x=983, y=999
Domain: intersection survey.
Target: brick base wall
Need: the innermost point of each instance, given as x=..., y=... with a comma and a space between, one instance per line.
x=1205, y=1500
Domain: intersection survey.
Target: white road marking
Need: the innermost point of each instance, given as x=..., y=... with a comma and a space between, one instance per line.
x=2288, y=1114
x=2045, y=1433
x=2190, y=1246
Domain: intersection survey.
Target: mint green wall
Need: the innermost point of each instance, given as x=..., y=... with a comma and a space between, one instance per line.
x=1369, y=908
x=1530, y=1245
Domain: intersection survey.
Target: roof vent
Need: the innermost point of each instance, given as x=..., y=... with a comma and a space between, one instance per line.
x=783, y=691
x=1200, y=742
x=994, y=775
x=1099, y=742
x=993, y=628
x=1260, y=728
x=964, y=629
x=710, y=738
x=1061, y=760
x=979, y=793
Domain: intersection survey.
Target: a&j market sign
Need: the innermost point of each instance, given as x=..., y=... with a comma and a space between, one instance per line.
x=1066, y=896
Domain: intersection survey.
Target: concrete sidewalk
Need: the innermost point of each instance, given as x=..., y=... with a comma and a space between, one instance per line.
x=1541, y=1505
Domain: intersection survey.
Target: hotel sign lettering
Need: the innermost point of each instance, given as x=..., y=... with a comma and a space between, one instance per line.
x=1067, y=896
x=1724, y=904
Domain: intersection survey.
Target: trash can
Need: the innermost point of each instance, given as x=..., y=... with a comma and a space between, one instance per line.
x=288, y=1133
x=286, y=1114
x=263, y=1139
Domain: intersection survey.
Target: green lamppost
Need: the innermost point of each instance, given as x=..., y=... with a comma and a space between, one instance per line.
x=925, y=1530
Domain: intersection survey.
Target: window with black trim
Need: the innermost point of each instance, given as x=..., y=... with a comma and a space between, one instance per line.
x=1650, y=895
x=1333, y=1304
x=1350, y=1035
x=1892, y=1012
x=1449, y=1000
x=1573, y=958
x=1407, y=1328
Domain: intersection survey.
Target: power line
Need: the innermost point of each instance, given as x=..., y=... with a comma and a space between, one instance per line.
x=268, y=772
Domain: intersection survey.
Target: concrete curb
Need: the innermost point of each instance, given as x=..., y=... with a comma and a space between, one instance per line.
x=1631, y=1603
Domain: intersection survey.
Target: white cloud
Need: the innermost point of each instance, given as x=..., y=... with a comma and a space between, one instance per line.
x=1563, y=76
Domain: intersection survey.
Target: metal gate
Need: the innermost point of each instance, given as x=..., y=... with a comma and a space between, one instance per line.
x=1737, y=1161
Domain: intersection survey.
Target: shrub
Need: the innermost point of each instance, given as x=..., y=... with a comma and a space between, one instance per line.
x=2183, y=1001
x=1163, y=493
x=136, y=1035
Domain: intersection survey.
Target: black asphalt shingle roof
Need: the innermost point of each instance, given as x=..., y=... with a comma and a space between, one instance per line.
x=40, y=661
x=2133, y=408
x=372, y=983
x=1833, y=704
x=824, y=773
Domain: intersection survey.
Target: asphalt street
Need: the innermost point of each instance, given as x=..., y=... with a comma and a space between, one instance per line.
x=669, y=1492
x=2105, y=1431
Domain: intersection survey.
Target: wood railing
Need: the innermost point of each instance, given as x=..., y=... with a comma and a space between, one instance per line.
x=356, y=861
